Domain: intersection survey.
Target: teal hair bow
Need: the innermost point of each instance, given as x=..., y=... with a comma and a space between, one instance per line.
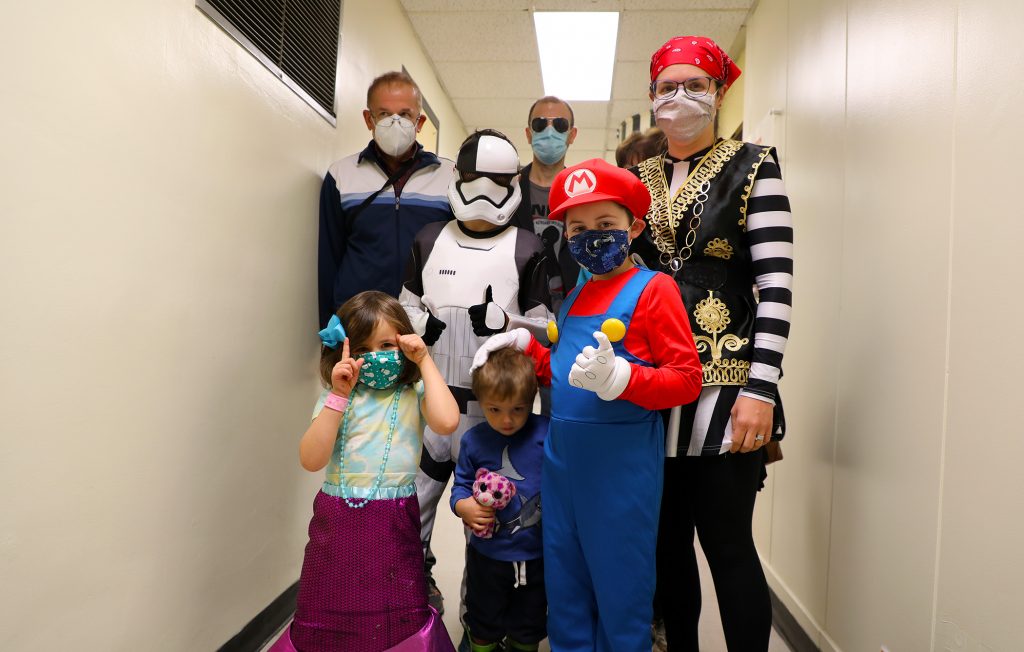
x=334, y=334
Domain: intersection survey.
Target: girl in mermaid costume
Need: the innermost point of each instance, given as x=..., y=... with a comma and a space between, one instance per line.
x=362, y=587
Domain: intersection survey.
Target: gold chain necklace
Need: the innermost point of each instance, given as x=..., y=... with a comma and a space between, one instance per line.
x=665, y=216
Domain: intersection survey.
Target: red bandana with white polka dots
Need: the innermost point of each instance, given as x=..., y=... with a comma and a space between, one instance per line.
x=699, y=51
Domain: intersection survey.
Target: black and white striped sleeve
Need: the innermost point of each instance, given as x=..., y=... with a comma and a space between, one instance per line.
x=770, y=237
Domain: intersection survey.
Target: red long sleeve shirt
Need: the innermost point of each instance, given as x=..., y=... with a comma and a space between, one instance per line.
x=659, y=332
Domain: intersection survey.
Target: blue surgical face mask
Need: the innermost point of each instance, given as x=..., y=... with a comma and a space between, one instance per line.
x=381, y=369
x=549, y=146
x=600, y=251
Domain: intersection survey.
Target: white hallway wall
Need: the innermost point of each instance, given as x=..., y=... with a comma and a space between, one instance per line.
x=158, y=227
x=895, y=517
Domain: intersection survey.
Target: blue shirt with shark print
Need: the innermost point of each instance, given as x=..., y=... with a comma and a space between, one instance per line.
x=519, y=458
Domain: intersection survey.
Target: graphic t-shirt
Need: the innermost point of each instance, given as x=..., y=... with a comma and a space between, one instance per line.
x=519, y=458
x=551, y=234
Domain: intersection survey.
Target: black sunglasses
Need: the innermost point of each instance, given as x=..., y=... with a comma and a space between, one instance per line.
x=539, y=124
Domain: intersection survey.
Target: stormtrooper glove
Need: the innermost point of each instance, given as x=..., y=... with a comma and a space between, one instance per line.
x=432, y=331
x=487, y=318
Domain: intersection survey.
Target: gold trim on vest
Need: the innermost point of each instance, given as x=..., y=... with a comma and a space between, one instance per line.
x=664, y=216
x=747, y=189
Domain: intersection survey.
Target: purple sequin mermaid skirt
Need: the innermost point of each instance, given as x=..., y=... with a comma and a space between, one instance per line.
x=362, y=587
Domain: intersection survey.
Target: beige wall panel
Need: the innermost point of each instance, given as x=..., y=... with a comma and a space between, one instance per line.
x=731, y=115
x=981, y=580
x=764, y=89
x=158, y=265
x=814, y=150
x=893, y=331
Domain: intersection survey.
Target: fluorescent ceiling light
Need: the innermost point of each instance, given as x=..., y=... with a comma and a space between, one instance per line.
x=577, y=52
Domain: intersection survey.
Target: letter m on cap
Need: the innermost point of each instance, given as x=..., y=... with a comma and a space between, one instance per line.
x=580, y=182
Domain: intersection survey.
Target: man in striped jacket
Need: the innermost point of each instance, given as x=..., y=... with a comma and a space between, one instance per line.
x=373, y=203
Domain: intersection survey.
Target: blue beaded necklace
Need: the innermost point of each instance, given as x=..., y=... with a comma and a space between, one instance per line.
x=393, y=409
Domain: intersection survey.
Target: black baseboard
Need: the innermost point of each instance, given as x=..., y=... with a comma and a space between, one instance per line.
x=789, y=629
x=260, y=629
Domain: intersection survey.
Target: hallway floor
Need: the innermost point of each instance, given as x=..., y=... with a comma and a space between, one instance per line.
x=448, y=535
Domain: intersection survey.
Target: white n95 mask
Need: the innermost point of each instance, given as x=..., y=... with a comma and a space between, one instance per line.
x=395, y=135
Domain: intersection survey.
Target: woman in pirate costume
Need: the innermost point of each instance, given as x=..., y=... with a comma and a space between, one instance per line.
x=720, y=225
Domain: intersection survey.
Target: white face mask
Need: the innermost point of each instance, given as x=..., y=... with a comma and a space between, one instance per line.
x=683, y=118
x=395, y=135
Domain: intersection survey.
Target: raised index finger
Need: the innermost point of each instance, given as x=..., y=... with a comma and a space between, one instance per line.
x=344, y=349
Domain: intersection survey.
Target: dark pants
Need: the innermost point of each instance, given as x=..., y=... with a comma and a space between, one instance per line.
x=496, y=607
x=714, y=495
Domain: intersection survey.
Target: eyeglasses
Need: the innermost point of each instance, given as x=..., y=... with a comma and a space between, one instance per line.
x=694, y=87
x=539, y=124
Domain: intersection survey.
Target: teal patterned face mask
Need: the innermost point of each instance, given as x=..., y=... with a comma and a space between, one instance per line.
x=381, y=369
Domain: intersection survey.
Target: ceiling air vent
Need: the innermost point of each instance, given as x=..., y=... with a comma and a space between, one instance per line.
x=297, y=40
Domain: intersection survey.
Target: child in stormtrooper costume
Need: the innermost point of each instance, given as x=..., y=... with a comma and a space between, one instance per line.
x=468, y=279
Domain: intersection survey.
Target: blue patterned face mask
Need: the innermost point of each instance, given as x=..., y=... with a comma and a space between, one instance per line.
x=381, y=369
x=600, y=251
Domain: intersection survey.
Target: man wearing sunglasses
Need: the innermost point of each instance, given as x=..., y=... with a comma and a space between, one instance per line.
x=549, y=131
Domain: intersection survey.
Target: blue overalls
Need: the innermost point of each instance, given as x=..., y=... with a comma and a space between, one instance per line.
x=601, y=488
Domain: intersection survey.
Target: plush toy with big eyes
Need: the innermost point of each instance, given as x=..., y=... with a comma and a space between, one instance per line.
x=492, y=489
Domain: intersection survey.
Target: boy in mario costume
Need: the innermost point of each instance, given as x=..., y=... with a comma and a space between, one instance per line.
x=621, y=350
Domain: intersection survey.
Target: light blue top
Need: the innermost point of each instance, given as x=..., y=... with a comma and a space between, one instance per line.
x=367, y=436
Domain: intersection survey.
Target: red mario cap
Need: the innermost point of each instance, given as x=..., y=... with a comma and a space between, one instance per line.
x=597, y=180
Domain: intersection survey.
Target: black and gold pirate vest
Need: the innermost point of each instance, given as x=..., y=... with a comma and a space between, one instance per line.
x=699, y=238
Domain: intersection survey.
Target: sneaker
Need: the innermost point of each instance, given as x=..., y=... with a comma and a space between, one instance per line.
x=434, y=597
x=464, y=645
x=658, y=641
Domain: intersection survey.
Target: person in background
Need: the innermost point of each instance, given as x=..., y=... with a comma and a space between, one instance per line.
x=550, y=130
x=639, y=146
x=373, y=203
x=720, y=224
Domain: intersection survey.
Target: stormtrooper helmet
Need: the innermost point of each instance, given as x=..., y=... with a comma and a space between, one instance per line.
x=486, y=184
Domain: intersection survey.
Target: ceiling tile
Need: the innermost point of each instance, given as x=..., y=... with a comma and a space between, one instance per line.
x=591, y=139
x=631, y=80
x=677, y=5
x=624, y=110
x=485, y=112
x=578, y=5
x=466, y=5
x=590, y=114
x=488, y=112
x=485, y=53
x=489, y=79
x=641, y=32
x=476, y=36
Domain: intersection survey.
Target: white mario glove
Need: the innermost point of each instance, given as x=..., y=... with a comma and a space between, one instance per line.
x=517, y=338
x=600, y=371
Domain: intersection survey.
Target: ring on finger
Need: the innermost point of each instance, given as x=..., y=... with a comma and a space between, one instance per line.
x=759, y=438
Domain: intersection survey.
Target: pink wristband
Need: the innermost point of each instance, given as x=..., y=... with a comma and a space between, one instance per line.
x=335, y=402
